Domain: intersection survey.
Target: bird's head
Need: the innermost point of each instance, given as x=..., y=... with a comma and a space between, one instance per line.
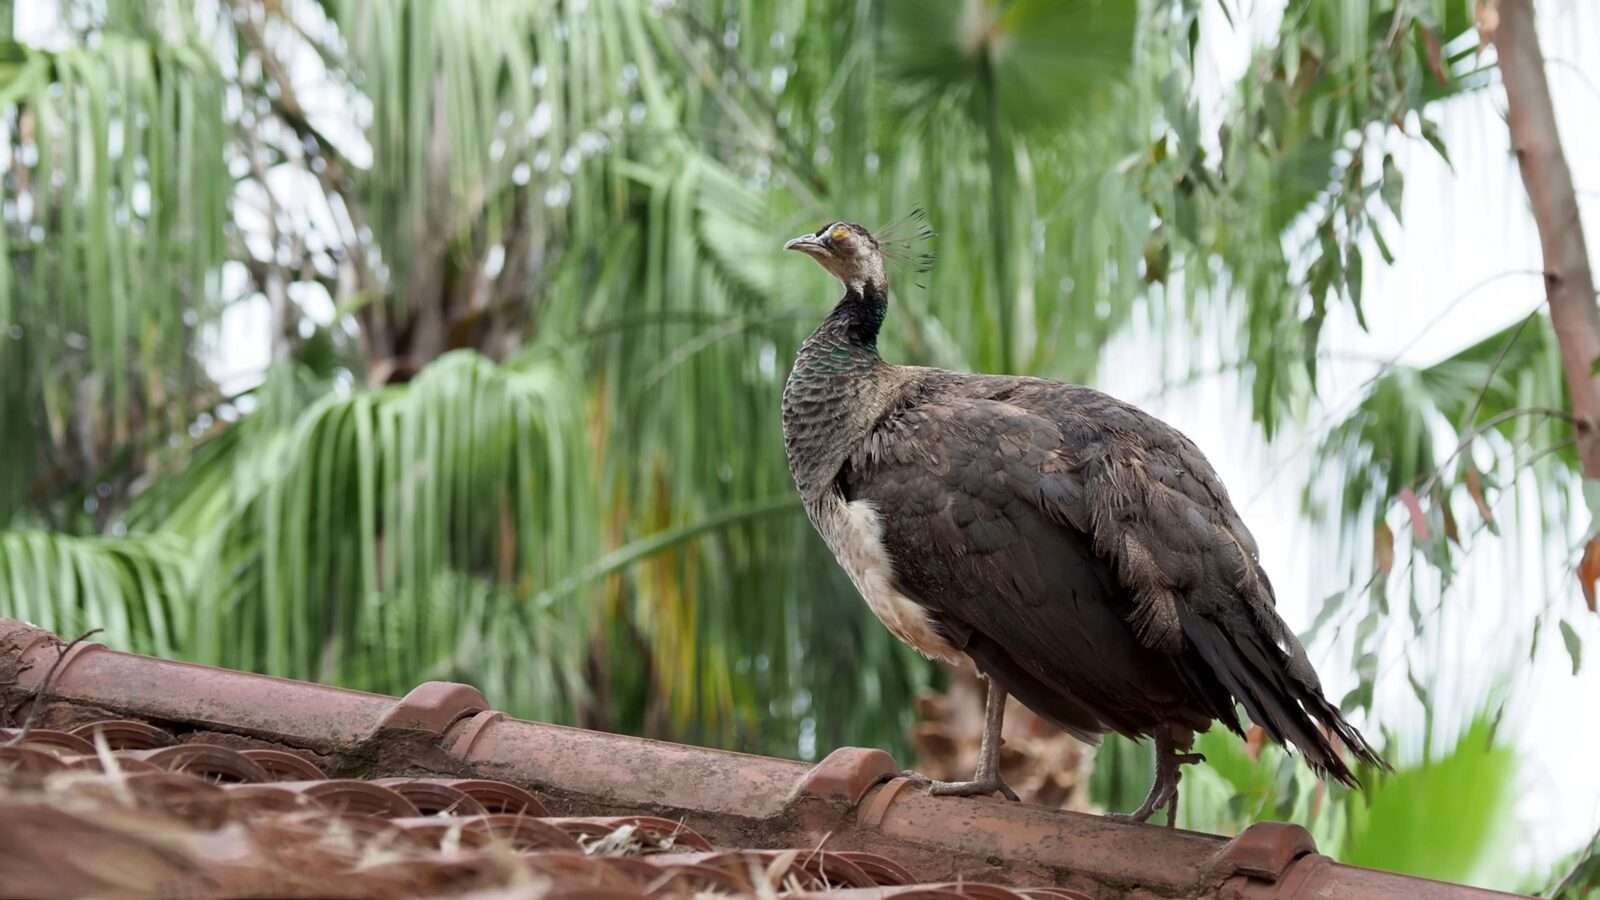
x=849, y=252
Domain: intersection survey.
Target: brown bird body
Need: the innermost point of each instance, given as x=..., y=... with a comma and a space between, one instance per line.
x=1082, y=554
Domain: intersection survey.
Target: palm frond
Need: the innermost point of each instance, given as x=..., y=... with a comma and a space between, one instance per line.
x=1496, y=401
x=135, y=587
x=113, y=235
x=329, y=540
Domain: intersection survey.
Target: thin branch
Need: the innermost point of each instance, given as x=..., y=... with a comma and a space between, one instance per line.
x=1477, y=403
x=43, y=690
x=1483, y=526
x=711, y=336
x=1488, y=425
x=1571, y=878
x=268, y=277
x=1494, y=367
x=286, y=103
x=1194, y=377
x=1553, y=61
x=1467, y=545
x=1354, y=398
x=645, y=547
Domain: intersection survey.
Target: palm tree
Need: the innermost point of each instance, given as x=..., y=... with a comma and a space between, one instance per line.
x=584, y=202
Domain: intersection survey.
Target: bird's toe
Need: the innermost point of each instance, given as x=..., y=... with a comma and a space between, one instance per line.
x=978, y=788
x=1137, y=817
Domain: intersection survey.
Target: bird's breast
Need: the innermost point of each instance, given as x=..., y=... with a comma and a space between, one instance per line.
x=854, y=532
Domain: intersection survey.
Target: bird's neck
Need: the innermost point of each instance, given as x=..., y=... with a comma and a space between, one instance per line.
x=846, y=343
x=838, y=388
x=858, y=316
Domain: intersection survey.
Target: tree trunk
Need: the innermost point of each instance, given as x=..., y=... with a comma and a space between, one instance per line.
x=1568, y=281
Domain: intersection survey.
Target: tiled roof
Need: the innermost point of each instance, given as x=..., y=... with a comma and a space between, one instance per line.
x=248, y=784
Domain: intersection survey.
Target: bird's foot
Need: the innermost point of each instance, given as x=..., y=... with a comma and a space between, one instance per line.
x=979, y=786
x=1164, y=793
x=1159, y=797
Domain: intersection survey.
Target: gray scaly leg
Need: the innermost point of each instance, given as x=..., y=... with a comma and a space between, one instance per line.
x=986, y=780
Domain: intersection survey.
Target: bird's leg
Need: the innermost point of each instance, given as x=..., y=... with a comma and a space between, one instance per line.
x=1170, y=758
x=986, y=780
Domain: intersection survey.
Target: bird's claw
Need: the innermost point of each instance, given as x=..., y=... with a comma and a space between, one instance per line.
x=978, y=787
x=1141, y=815
x=1164, y=792
x=973, y=789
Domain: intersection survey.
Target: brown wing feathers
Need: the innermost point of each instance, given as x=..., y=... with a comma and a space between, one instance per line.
x=1088, y=558
x=1191, y=566
x=1027, y=598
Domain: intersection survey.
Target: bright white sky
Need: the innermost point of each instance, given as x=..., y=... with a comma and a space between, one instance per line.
x=1461, y=228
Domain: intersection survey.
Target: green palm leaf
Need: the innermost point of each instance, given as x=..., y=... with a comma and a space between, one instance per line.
x=136, y=588
x=1419, y=820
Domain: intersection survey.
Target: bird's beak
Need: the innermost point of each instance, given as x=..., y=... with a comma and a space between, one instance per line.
x=807, y=244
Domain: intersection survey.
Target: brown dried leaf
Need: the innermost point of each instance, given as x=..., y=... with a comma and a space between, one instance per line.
x=1475, y=490
x=1383, y=547
x=507, y=556
x=1589, y=571
x=1450, y=530
x=1486, y=15
x=1430, y=42
x=1255, y=738
x=1419, y=520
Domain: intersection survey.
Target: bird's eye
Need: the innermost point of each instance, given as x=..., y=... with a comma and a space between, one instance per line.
x=840, y=234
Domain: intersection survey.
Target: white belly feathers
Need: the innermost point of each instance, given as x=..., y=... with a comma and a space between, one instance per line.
x=855, y=535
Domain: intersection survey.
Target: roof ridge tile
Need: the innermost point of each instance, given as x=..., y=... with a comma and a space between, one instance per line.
x=846, y=774
x=434, y=706
x=738, y=806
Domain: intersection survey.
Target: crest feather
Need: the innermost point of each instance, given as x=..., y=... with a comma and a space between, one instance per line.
x=904, y=240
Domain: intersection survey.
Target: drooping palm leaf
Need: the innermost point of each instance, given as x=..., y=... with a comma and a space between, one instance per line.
x=136, y=588
x=325, y=547
x=113, y=232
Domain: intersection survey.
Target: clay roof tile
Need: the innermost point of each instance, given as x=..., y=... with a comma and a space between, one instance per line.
x=216, y=782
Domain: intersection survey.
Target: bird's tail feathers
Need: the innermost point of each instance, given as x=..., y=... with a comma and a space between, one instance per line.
x=1269, y=674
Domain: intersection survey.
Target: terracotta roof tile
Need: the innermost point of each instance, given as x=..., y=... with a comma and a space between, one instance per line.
x=142, y=775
